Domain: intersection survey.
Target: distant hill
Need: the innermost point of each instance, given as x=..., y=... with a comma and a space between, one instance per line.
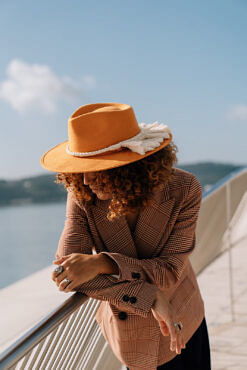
x=42, y=189
x=208, y=173
x=38, y=189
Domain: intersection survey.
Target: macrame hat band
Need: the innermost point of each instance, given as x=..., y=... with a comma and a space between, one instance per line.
x=103, y=136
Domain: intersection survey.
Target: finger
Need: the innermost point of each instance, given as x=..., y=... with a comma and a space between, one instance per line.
x=60, y=260
x=173, y=342
x=61, y=277
x=183, y=342
x=55, y=275
x=70, y=287
x=164, y=328
x=162, y=324
x=62, y=285
x=173, y=333
x=66, y=263
x=178, y=344
x=157, y=316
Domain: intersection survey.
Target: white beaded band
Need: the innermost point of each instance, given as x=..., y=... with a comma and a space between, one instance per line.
x=149, y=138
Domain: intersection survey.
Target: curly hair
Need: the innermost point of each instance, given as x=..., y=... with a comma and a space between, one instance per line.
x=131, y=186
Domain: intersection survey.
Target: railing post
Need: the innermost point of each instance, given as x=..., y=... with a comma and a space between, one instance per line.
x=229, y=237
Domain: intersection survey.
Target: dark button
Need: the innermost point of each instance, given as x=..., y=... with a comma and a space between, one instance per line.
x=133, y=299
x=122, y=315
x=136, y=275
x=126, y=298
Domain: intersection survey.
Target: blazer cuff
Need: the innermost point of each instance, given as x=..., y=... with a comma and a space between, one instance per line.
x=126, y=272
x=138, y=300
x=136, y=297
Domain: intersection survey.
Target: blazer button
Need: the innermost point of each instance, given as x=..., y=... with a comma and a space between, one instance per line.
x=122, y=315
x=133, y=299
x=136, y=275
x=126, y=298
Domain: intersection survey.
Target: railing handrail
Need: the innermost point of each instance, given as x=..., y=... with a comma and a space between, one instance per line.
x=224, y=180
x=33, y=336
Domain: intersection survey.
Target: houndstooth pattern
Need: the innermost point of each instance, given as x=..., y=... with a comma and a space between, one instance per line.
x=158, y=250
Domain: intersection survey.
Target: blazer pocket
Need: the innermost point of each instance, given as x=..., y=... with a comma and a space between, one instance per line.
x=182, y=295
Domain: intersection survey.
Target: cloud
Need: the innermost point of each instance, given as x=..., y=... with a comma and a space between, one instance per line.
x=30, y=87
x=89, y=81
x=238, y=112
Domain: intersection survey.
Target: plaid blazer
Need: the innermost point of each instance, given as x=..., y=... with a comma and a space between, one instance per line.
x=155, y=256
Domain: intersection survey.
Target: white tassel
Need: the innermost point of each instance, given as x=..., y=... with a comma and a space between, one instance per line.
x=149, y=138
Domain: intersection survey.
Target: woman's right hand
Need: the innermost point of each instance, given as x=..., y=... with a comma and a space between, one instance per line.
x=165, y=315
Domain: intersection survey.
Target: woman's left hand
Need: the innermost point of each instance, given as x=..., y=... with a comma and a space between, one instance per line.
x=78, y=268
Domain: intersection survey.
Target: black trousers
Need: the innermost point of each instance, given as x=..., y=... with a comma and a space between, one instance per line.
x=195, y=356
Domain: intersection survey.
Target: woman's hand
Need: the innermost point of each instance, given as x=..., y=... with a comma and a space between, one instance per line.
x=164, y=314
x=78, y=268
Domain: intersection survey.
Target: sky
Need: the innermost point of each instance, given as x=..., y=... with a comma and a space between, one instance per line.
x=181, y=63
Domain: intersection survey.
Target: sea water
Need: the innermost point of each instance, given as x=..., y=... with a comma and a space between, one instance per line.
x=29, y=236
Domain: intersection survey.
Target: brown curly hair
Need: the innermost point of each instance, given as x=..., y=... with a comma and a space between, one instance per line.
x=130, y=185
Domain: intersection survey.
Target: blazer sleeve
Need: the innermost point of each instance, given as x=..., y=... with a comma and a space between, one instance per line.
x=76, y=238
x=166, y=269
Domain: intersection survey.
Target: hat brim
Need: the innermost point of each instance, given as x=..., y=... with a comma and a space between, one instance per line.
x=58, y=160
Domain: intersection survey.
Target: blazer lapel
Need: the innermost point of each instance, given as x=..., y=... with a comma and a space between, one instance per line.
x=152, y=222
x=150, y=226
x=115, y=234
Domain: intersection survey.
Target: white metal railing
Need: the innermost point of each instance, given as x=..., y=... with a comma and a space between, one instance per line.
x=68, y=338
x=221, y=207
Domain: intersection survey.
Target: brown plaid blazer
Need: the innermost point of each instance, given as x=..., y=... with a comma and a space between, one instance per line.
x=155, y=256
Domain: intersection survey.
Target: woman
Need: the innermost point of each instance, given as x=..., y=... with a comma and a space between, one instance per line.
x=127, y=202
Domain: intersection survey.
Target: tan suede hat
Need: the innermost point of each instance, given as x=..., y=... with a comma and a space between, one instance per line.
x=104, y=136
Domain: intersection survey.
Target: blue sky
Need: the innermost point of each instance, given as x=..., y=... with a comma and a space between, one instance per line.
x=182, y=63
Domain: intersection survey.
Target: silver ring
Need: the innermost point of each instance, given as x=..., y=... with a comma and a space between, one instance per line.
x=178, y=324
x=67, y=281
x=59, y=269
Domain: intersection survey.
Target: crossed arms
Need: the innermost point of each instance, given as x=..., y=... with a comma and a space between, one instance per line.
x=139, y=278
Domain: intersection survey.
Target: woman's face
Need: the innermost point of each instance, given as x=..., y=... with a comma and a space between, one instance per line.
x=88, y=179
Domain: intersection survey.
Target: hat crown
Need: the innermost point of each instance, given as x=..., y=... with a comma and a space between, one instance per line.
x=96, y=126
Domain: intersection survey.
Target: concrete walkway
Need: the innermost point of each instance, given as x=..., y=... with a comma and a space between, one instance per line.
x=228, y=338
